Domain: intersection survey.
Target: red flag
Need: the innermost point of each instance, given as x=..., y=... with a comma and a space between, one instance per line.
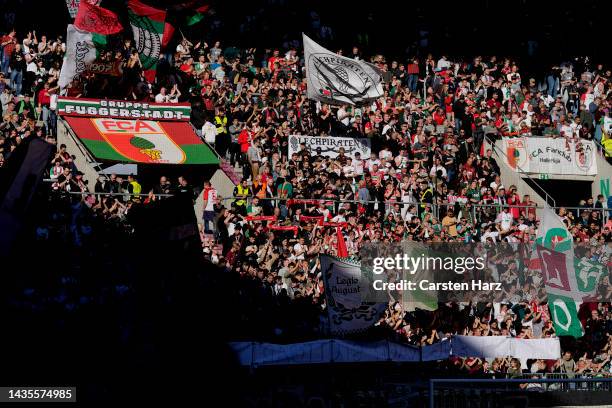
x=342, y=251
x=168, y=33
x=96, y=19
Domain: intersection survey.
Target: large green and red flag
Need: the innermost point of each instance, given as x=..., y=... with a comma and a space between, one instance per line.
x=141, y=141
x=148, y=28
x=568, y=280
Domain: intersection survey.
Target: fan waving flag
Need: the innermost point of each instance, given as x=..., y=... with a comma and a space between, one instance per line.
x=198, y=16
x=97, y=19
x=569, y=281
x=148, y=28
x=82, y=49
x=335, y=79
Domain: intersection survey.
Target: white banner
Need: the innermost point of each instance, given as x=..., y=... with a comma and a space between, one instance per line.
x=330, y=145
x=499, y=346
x=80, y=53
x=541, y=155
x=344, y=351
x=336, y=79
x=344, y=289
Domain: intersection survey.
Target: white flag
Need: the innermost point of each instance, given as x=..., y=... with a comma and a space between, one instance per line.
x=81, y=51
x=335, y=79
x=345, y=289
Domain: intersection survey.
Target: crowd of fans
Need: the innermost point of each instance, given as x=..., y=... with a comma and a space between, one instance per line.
x=428, y=177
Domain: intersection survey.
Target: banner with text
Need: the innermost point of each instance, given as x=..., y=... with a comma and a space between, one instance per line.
x=344, y=290
x=550, y=156
x=103, y=108
x=330, y=146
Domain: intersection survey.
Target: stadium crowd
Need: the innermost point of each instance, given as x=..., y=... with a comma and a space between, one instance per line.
x=430, y=175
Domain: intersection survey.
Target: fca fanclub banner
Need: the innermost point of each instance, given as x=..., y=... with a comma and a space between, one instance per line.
x=550, y=156
x=330, y=146
x=123, y=109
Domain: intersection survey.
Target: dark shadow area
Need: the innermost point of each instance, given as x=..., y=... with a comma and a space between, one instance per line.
x=125, y=315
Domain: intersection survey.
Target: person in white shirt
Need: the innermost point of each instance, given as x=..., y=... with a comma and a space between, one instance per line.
x=576, y=126
x=344, y=116
x=175, y=94
x=437, y=166
x=505, y=219
x=162, y=96
x=443, y=63
x=371, y=162
x=566, y=129
x=348, y=170
x=358, y=165
x=386, y=154
x=209, y=131
x=300, y=249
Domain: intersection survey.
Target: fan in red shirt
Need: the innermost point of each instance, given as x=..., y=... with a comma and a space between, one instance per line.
x=439, y=117
x=244, y=140
x=44, y=96
x=273, y=59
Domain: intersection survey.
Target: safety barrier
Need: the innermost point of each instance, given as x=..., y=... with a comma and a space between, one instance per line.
x=486, y=391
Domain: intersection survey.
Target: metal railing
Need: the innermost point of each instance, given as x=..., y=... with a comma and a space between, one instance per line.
x=475, y=211
x=529, y=384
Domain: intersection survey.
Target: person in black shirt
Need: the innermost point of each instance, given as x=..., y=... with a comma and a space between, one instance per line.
x=185, y=188
x=18, y=67
x=112, y=186
x=164, y=186
x=459, y=111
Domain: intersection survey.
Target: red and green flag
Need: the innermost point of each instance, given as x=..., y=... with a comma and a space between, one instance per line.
x=141, y=141
x=198, y=16
x=148, y=28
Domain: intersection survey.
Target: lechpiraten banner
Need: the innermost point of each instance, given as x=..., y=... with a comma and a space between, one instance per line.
x=553, y=156
x=330, y=146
